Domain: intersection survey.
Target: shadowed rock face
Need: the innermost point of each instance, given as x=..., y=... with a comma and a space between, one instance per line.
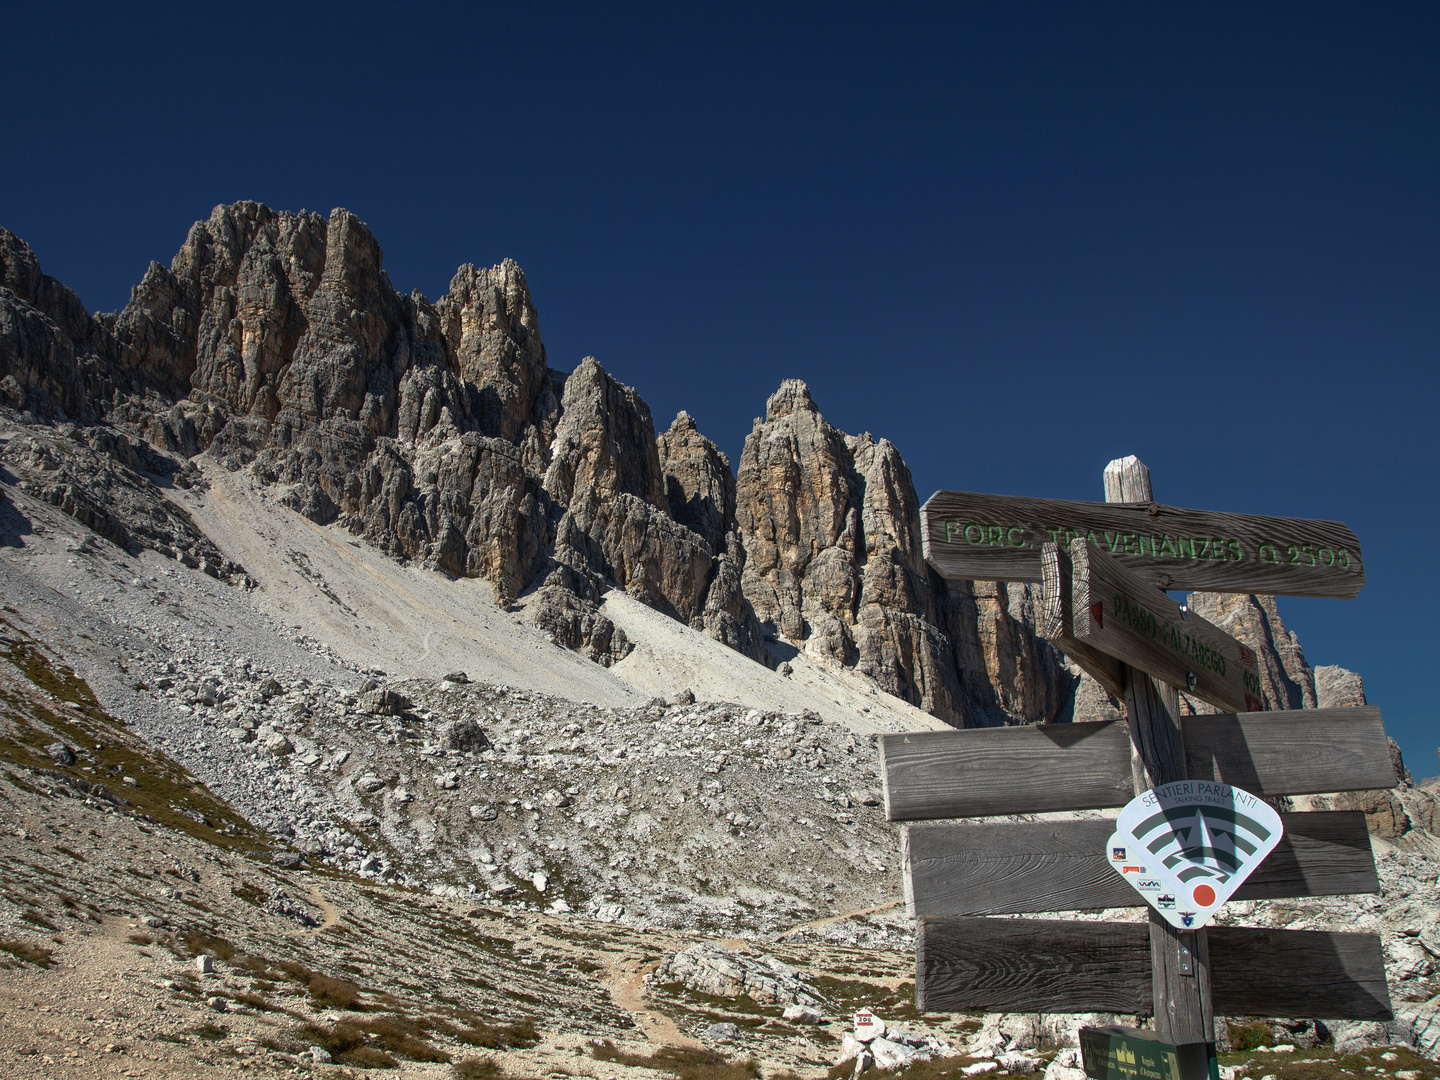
x=831, y=529
x=1285, y=678
x=439, y=433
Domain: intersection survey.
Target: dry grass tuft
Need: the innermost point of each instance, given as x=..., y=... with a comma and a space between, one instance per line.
x=34, y=918
x=934, y=1069
x=685, y=1062
x=217, y=947
x=477, y=1068
x=520, y=1035
x=29, y=952
x=334, y=993
x=371, y=1042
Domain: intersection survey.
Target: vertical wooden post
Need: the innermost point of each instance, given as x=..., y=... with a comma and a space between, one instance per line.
x=1180, y=959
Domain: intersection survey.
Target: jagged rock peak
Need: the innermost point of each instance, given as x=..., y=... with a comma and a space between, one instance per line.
x=491, y=324
x=793, y=396
x=830, y=526
x=1338, y=688
x=605, y=441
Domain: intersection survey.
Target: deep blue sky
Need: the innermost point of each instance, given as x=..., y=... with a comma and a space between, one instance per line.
x=1016, y=239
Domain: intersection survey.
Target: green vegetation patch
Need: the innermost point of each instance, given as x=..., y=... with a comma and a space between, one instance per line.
x=164, y=792
x=1321, y=1064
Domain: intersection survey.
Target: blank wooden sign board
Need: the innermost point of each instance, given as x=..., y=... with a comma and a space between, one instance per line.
x=1104, y=569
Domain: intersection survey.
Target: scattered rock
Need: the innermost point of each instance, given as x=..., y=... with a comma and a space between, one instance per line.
x=204, y=964
x=382, y=702
x=60, y=753
x=722, y=972
x=464, y=735
x=802, y=1014
x=868, y=1026
x=369, y=784
x=724, y=1032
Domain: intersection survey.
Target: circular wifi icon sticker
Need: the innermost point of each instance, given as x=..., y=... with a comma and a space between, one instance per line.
x=1186, y=847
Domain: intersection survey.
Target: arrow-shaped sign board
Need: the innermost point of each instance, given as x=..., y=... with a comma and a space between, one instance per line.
x=1118, y=613
x=998, y=538
x=1187, y=846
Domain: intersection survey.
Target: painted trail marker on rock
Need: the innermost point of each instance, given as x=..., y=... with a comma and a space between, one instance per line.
x=1186, y=847
x=1192, y=787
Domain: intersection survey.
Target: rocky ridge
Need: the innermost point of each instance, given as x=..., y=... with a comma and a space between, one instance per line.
x=439, y=433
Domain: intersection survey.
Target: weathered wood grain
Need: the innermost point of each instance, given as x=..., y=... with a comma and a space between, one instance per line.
x=1115, y=611
x=1031, y=965
x=1179, y=959
x=1055, y=621
x=1006, y=770
x=1127, y=480
x=971, y=536
x=1298, y=973
x=1296, y=752
x=1052, y=965
x=1039, y=866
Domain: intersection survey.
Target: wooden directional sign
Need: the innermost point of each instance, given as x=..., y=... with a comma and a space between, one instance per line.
x=1104, y=569
x=1294, y=752
x=1116, y=612
x=1007, y=868
x=1055, y=621
x=1053, y=965
x=999, y=537
x=1048, y=767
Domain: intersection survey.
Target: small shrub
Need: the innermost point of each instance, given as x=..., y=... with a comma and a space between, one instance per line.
x=347, y=1045
x=367, y=1057
x=334, y=993
x=213, y=1032
x=685, y=1062
x=141, y=939
x=251, y=894
x=29, y=952
x=477, y=1068
x=293, y=970
x=217, y=947
x=1249, y=1036
x=403, y=1037
x=34, y=918
x=255, y=1001
x=520, y=1035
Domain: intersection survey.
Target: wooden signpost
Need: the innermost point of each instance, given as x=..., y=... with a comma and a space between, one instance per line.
x=1104, y=568
x=1117, y=613
x=999, y=537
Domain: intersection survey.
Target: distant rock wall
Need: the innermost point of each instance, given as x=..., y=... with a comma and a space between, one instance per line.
x=833, y=563
x=439, y=433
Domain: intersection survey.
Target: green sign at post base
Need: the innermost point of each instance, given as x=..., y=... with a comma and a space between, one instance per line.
x=1125, y=1053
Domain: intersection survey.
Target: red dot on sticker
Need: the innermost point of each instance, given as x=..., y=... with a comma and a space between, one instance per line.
x=1204, y=895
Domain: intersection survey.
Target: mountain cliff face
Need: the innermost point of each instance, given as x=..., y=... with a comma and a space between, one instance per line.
x=439, y=433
